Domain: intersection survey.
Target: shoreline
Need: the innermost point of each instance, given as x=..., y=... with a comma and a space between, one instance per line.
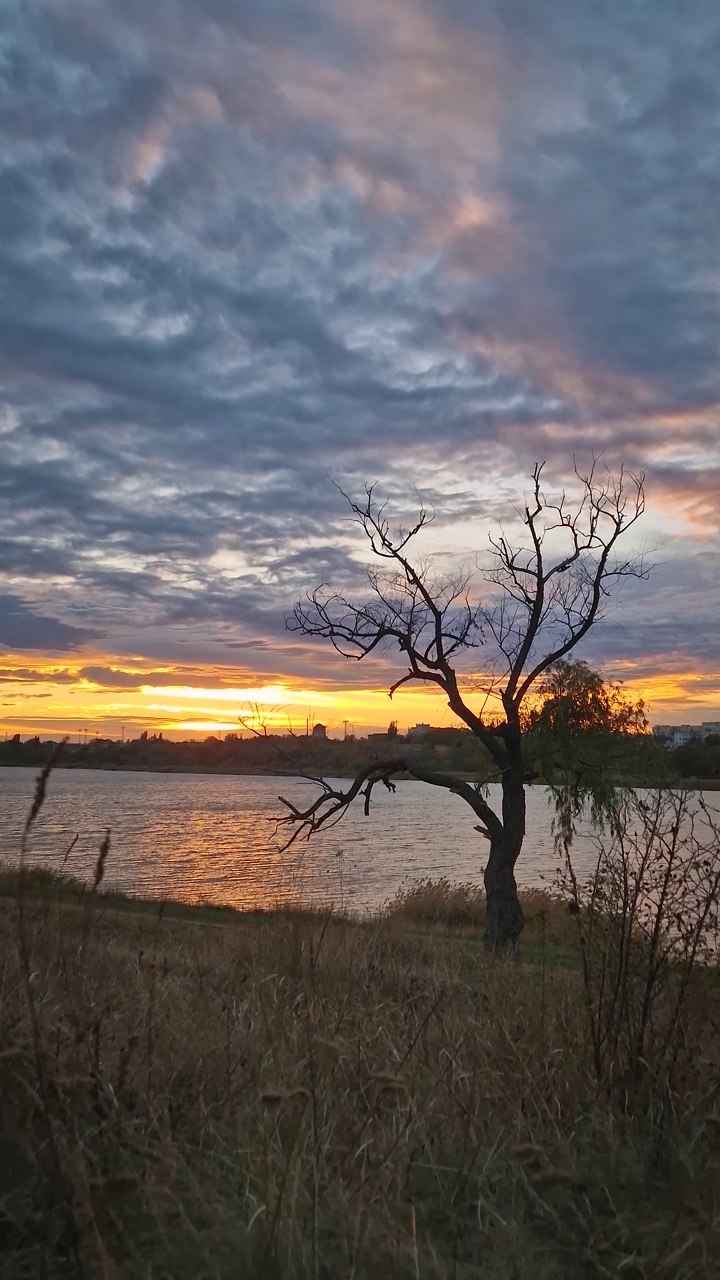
x=548, y=924
x=675, y=784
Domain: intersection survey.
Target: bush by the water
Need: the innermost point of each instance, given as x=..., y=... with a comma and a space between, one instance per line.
x=457, y=905
x=442, y=901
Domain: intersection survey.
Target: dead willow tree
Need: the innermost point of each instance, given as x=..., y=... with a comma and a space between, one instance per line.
x=543, y=596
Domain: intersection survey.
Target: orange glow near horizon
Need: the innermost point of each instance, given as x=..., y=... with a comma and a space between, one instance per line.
x=678, y=694
x=266, y=694
x=53, y=699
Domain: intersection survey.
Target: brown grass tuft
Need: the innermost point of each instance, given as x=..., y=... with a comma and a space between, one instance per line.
x=451, y=905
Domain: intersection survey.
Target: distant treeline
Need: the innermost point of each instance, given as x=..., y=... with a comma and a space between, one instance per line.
x=698, y=759
x=457, y=749
x=450, y=750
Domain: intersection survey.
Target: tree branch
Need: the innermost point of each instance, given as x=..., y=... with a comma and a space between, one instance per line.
x=333, y=801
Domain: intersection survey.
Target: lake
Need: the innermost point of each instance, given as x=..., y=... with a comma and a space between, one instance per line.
x=210, y=837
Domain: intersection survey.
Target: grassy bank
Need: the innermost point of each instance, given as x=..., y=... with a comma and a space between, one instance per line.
x=295, y=1095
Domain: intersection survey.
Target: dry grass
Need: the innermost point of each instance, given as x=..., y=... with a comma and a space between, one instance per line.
x=309, y=1098
x=462, y=906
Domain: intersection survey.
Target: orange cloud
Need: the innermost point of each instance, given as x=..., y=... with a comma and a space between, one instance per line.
x=146, y=153
x=75, y=704
x=691, y=495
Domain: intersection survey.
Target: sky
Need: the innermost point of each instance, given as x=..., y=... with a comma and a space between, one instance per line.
x=249, y=247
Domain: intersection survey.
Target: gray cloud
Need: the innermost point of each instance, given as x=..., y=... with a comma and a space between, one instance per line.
x=21, y=628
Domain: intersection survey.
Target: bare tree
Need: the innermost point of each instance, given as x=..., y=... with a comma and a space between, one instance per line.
x=543, y=596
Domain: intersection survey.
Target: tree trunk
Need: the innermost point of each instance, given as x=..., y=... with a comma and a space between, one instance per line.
x=504, y=919
x=503, y=914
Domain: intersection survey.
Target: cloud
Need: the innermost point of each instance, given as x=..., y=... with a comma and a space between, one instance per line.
x=31, y=675
x=424, y=244
x=21, y=628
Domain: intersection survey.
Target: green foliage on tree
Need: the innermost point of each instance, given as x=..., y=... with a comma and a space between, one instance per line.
x=586, y=736
x=574, y=699
x=698, y=759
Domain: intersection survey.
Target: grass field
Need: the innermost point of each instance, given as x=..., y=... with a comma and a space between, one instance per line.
x=195, y=1093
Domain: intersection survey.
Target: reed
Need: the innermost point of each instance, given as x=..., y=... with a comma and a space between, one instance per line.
x=461, y=905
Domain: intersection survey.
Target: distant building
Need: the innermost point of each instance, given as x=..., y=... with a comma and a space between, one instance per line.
x=679, y=735
x=319, y=731
x=419, y=731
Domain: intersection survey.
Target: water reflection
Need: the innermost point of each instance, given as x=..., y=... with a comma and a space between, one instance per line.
x=209, y=838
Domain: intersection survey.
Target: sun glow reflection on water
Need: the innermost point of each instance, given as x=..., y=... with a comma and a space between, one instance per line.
x=210, y=838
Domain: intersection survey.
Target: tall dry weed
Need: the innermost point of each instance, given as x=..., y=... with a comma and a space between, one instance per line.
x=648, y=929
x=461, y=905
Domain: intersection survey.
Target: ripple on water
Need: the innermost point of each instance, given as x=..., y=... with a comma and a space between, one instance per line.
x=210, y=837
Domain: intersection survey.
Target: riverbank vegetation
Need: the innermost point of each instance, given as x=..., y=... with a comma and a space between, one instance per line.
x=638, y=759
x=455, y=750
x=192, y=1092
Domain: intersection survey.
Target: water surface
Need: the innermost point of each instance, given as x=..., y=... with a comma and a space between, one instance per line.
x=211, y=838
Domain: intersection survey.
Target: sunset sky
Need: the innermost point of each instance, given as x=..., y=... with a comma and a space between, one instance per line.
x=249, y=245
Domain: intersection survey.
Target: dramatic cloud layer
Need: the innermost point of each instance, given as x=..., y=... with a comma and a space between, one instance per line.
x=248, y=243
